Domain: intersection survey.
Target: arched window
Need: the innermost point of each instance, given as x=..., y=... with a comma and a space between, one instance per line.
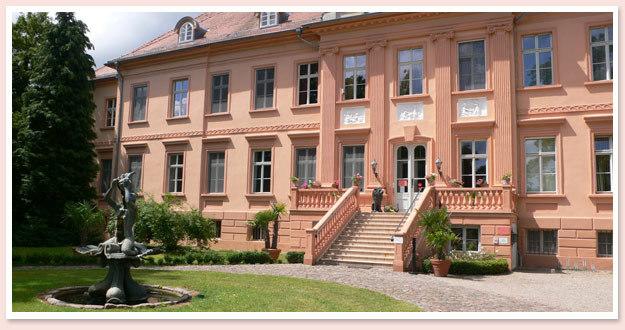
x=186, y=32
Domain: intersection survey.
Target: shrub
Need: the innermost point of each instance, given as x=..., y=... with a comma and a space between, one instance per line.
x=294, y=257
x=87, y=220
x=234, y=258
x=158, y=222
x=438, y=233
x=198, y=228
x=473, y=267
x=56, y=257
x=248, y=257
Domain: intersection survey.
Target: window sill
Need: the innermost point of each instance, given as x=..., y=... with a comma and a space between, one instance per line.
x=214, y=195
x=218, y=114
x=601, y=196
x=263, y=110
x=137, y=122
x=543, y=87
x=354, y=102
x=413, y=97
x=598, y=83
x=473, y=92
x=173, y=194
x=305, y=106
x=177, y=118
x=538, y=197
x=260, y=196
x=108, y=128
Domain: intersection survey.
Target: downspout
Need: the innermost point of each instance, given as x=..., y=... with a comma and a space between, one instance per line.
x=120, y=116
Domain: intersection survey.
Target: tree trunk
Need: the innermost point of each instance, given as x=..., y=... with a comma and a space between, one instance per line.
x=266, y=237
x=274, y=238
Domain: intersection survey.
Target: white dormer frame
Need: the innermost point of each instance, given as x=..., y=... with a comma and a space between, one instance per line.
x=185, y=33
x=268, y=19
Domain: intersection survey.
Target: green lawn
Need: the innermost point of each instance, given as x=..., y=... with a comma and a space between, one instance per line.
x=222, y=292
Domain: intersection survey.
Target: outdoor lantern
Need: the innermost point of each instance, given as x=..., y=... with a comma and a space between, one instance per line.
x=374, y=166
x=439, y=163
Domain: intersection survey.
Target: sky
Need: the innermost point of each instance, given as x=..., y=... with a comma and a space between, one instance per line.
x=116, y=33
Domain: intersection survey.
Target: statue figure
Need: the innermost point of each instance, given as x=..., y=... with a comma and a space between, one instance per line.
x=377, y=194
x=120, y=251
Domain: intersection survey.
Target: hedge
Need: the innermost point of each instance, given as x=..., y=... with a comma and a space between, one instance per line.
x=294, y=257
x=473, y=267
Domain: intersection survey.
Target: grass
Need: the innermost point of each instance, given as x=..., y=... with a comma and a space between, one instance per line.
x=222, y=292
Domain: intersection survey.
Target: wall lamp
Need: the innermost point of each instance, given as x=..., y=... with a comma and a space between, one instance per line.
x=439, y=164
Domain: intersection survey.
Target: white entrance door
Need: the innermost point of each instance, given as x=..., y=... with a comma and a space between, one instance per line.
x=409, y=174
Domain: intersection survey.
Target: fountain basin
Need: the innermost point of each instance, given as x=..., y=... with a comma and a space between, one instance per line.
x=78, y=297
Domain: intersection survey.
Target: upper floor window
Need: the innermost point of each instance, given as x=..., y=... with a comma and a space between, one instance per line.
x=186, y=33
x=261, y=166
x=139, y=102
x=603, y=163
x=308, y=83
x=473, y=160
x=411, y=71
x=601, y=52
x=471, y=65
x=216, y=165
x=537, y=60
x=540, y=165
x=110, y=112
x=106, y=166
x=268, y=19
x=180, y=98
x=220, y=93
x=175, y=173
x=355, y=76
x=264, y=88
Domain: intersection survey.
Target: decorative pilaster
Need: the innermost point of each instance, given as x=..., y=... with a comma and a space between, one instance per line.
x=504, y=132
x=327, y=145
x=377, y=110
x=442, y=101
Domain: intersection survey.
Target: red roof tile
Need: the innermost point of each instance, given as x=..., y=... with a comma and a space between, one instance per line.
x=104, y=72
x=221, y=27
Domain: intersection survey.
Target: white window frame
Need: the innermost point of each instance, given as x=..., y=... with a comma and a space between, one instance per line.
x=268, y=19
x=354, y=70
x=541, y=242
x=410, y=64
x=137, y=177
x=111, y=108
x=473, y=74
x=608, y=152
x=143, y=99
x=262, y=175
x=606, y=46
x=185, y=33
x=536, y=52
x=212, y=182
x=184, y=101
x=178, y=168
x=307, y=77
x=216, y=90
x=268, y=102
x=309, y=164
x=346, y=181
x=473, y=156
x=463, y=238
x=540, y=154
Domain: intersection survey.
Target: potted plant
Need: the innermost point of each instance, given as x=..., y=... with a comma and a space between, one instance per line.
x=316, y=184
x=431, y=178
x=294, y=181
x=335, y=184
x=438, y=236
x=262, y=220
x=505, y=179
x=356, y=179
x=455, y=183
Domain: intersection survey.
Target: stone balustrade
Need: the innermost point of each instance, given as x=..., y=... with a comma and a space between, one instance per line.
x=496, y=199
x=314, y=198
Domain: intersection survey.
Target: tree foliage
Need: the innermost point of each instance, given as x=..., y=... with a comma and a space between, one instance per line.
x=262, y=220
x=438, y=233
x=53, y=151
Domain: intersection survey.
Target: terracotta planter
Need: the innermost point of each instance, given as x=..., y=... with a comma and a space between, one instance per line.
x=440, y=267
x=273, y=253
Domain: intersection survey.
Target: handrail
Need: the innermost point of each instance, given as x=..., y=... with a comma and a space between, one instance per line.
x=323, y=234
x=407, y=212
x=315, y=199
x=493, y=199
x=403, y=237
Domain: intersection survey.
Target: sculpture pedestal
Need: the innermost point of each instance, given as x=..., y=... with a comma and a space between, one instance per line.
x=118, y=287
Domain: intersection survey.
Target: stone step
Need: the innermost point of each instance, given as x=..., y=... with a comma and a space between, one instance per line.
x=365, y=244
x=373, y=225
x=378, y=252
x=366, y=236
x=364, y=240
x=355, y=263
x=380, y=216
x=359, y=259
x=376, y=231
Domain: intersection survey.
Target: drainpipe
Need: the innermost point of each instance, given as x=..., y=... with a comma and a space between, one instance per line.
x=120, y=116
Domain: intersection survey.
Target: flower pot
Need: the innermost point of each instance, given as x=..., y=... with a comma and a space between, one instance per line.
x=273, y=253
x=505, y=182
x=440, y=267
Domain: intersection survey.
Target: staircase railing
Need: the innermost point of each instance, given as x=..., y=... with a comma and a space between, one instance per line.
x=323, y=234
x=409, y=229
x=314, y=198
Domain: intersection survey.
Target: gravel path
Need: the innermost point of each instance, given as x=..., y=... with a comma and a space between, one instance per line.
x=570, y=291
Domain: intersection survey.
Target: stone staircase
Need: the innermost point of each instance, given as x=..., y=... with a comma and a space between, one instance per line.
x=366, y=241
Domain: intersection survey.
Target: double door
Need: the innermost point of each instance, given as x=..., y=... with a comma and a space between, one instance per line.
x=410, y=163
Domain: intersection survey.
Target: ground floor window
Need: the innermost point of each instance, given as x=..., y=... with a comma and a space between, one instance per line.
x=261, y=166
x=135, y=164
x=176, y=166
x=106, y=166
x=542, y=241
x=258, y=234
x=468, y=239
x=604, y=243
x=217, y=228
x=216, y=165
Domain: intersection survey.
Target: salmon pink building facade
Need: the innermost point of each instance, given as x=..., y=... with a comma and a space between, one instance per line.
x=503, y=118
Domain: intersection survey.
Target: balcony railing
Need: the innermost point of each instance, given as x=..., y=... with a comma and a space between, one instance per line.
x=314, y=199
x=496, y=199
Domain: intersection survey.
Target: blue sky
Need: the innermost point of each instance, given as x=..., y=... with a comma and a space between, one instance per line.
x=116, y=33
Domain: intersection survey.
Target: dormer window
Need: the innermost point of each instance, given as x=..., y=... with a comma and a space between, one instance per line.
x=268, y=19
x=186, y=33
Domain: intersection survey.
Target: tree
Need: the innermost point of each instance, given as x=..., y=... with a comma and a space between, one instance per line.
x=56, y=132
x=262, y=220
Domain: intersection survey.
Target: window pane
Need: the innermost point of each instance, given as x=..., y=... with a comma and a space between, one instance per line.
x=361, y=61
x=545, y=76
x=544, y=59
x=303, y=69
x=417, y=54
x=405, y=55
x=532, y=173
x=350, y=62
x=480, y=166
x=549, y=182
x=598, y=54
x=134, y=165
x=531, y=146
x=602, y=143
x=550, y=241
x=544, y=41
x=528, y=42
x=548, y=145
x=457, y=244
x=480, y=147
x=603, y=182
x=314, y=68
x=533, y=241
x=603, y=163
x=467, y=166
x=597, y=34
x=548, y=164
x=599, y=71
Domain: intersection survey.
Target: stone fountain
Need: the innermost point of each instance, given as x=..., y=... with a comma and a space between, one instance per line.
x=119, y=253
